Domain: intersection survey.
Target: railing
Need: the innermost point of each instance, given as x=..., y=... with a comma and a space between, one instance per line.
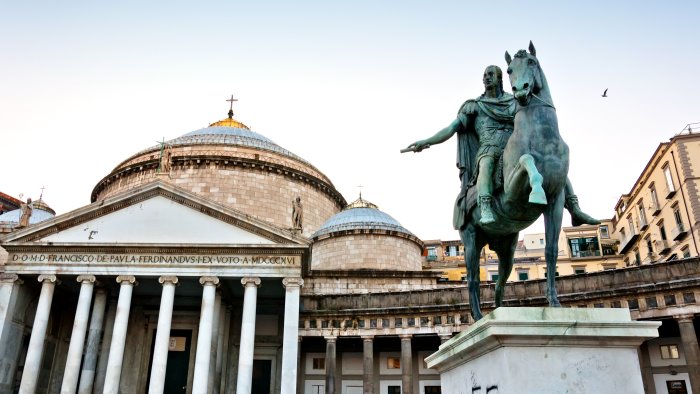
x=586, y=253
x=642, y=224
x=679, y=232
x=650, y=258
x=654, y=208
x=431, y=258
x=662, y=246
x=628, y=240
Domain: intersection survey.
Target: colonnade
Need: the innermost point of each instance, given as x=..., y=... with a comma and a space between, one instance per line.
x=209, y=351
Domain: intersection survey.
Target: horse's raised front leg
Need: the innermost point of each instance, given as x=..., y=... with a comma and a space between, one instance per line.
x=523, y=175
x=552, y=226
x=473, y=244
x=505, y=249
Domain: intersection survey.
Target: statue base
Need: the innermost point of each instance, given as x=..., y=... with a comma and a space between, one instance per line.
x=545, y=350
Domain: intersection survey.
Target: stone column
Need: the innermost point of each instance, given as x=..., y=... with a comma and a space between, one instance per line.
x=247, y=347
x=368, y=364
x=406, y=364
x=10, y=334
x=302, y=369
x=77, y=338
x=330, y=364
x=87, y=375
x=103, y=357
x=645, y=365
x=225, y=353
x=206, y=320
x=215, y=342
x=121, y=321
x=290, y=338
x=32, y=364
x=690, y=349
x=160, y=349
x=219, y=349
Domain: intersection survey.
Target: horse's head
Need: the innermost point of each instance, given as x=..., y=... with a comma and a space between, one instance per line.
x=525, y=74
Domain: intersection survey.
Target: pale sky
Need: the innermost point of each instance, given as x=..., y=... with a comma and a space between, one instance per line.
x=345, y=85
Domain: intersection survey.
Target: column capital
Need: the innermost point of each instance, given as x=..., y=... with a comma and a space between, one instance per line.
x=367, y=338
x=684, y=317
x=10, y=278
x=330, y=338
x=86, y=279
x=127, y=280
x=47, y=278
x=169, y=279
x=292, y=282
x=250, y=280
x=405, y=336
x=211, y=280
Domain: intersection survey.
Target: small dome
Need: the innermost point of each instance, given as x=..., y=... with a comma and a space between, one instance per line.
x=40, y=213
x=360, y=215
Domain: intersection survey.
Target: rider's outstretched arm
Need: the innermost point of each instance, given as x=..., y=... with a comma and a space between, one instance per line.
x=439, y=137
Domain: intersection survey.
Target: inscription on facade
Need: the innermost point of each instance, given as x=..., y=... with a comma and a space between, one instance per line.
x=78, y=258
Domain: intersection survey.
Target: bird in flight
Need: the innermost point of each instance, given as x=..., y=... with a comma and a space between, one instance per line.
x=605, y=93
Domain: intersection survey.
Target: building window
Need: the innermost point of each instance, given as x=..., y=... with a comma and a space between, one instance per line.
x=313, y=323
x=616, y=304
x=450, y=319
x=689, y=298
x=637, y=258
x=686, y=252
x=630, y=223
x=385, y=323
x=348, y=324
x=336, y=323
x=633, y=304
x=324, y=323
x=424, y=321
x=584, y=247
x=393, y=363
x=432, y=390
x=398, y=322
x=670, y=299
x=654, y=199
x=604, y=233
x=677, y=216
x=651, y=302
x=669, y=179
x=598, y=305
x=494, y=276
x=319, y=363
x=411, y=321
x=579, y=270
x=669, y=352
x=523, y=275
x=437, y=320
x=662, y=231
x=556, y=274
x=452, y=250
x=642, y=214
x=361, y=323
x=318, y=389
x=373, y=323
x=393, y=390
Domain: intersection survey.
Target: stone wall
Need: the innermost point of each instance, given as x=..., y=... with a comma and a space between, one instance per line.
x=366, y=251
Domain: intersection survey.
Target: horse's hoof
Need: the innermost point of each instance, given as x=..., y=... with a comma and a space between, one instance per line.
x=537, y=197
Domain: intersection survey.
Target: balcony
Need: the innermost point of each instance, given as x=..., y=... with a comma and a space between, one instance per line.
x=679, y=232
x=655, y=209
x=650, y=258
x=662, y=247
x=642, y=224
x=670, y=193
x=431, y=258
x=628, y=241
x=585, y=253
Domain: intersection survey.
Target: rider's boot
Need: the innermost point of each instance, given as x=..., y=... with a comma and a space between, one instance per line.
x=486, y=212
x=578, y=217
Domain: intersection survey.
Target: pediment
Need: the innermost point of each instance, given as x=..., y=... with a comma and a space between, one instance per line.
x=158, y=213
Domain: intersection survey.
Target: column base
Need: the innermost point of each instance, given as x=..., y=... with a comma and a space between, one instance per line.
x=546, y=350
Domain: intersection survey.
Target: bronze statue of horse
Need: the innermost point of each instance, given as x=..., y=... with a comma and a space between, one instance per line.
x=535, y=167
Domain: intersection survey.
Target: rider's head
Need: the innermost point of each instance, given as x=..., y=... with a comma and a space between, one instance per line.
x=493, y=76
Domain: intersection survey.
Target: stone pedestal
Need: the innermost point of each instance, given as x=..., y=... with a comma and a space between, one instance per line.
x=545, y=350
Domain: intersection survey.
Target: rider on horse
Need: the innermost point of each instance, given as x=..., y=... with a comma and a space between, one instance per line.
x=483, y=126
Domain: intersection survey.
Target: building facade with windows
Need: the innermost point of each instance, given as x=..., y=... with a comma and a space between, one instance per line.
x=658, y=219
x=220, y=262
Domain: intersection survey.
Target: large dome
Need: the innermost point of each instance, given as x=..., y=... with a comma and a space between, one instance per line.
x=362, y=237
x=230, y=164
